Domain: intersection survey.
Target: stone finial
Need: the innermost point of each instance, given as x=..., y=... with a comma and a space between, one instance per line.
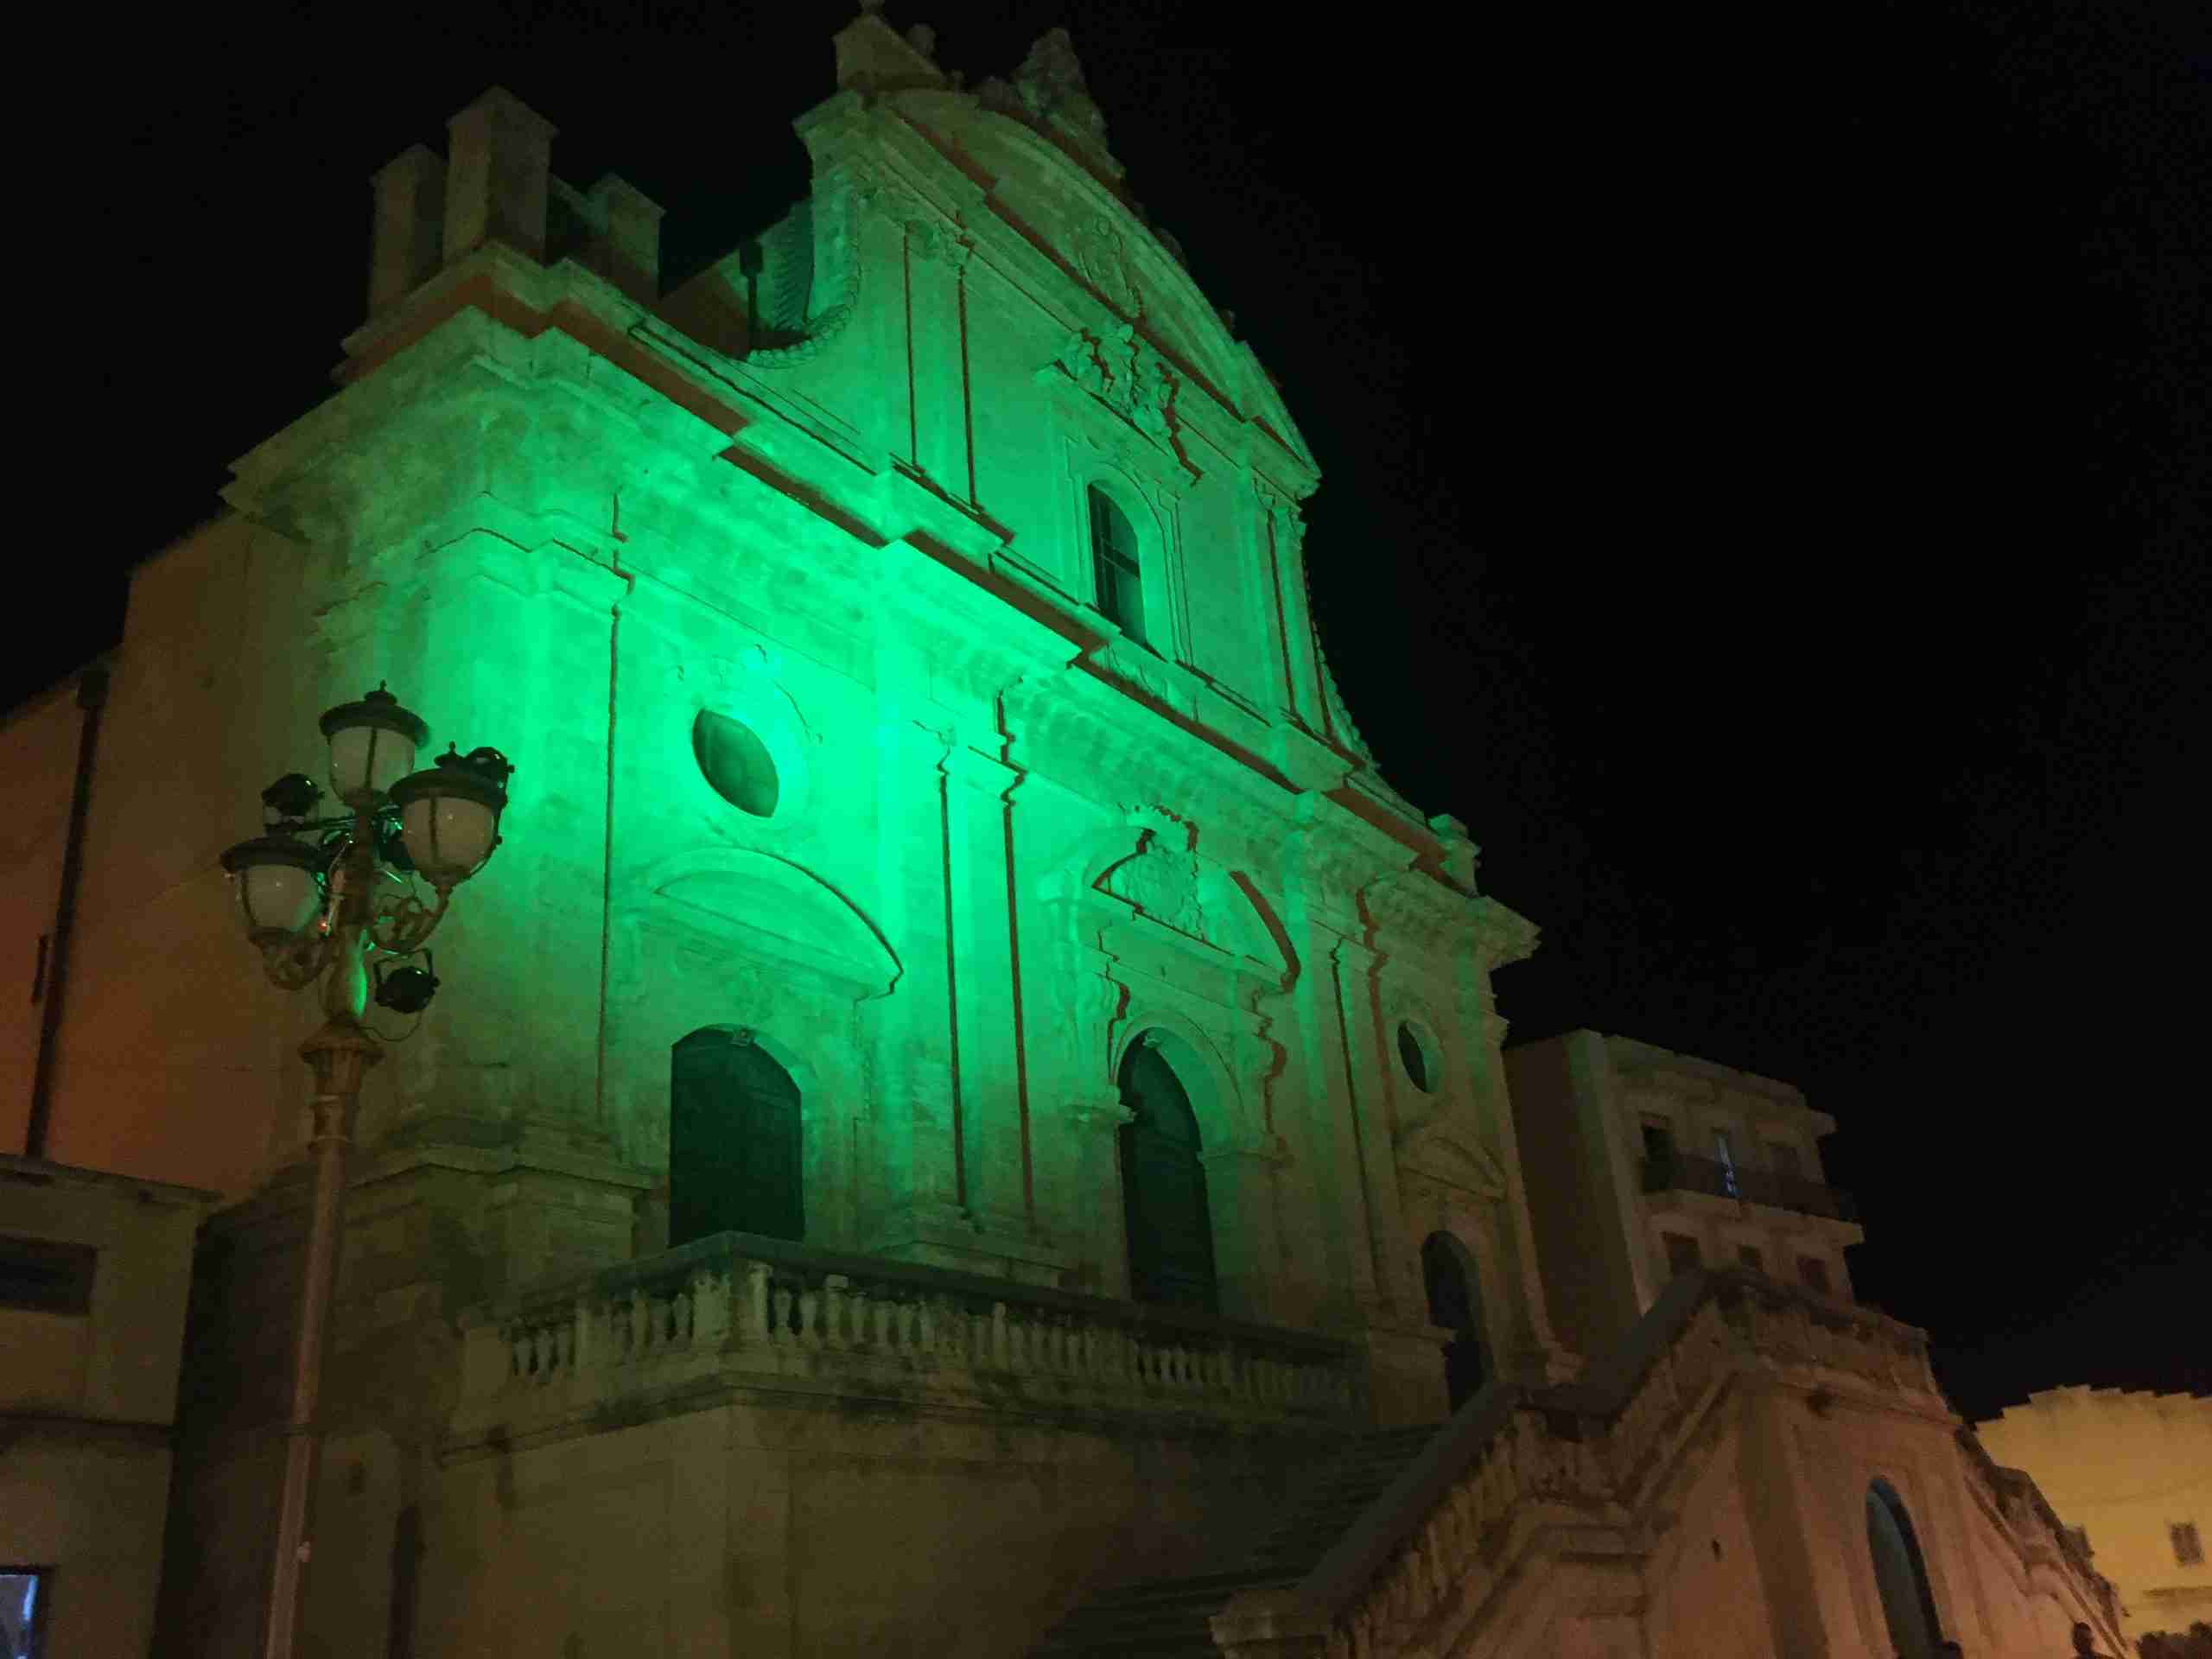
x=630, y=235
x=873, y=57
x=498, y=174
x=408, y=232
x=1050, y=87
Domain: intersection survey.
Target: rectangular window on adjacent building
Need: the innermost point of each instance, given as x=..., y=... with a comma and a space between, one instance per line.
x=2188, y=1549
x=46, y=1277
x=1724, y=1154
x=1814, y=1273
x=1785, y=1158
x=1681, y=1253
x=1751, y=1256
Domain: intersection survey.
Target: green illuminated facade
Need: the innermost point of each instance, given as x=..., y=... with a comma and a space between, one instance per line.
x=936, y=841
x=901, y=631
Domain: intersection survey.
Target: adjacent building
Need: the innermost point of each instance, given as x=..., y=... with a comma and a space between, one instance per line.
x=1648, y=1163
x=94, y=1273
x=2135, y=1471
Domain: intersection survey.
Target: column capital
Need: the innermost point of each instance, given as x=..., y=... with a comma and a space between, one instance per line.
x=985, y=774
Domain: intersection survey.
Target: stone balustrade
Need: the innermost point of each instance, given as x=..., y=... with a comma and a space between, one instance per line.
x=1590, y=1445
x=2014, y=1495
x=737, y=1306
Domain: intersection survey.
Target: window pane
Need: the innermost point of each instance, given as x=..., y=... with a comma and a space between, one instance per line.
x=1681, y=1252
x=1814, y=1273
x=37, y=1273
x=1114, y=560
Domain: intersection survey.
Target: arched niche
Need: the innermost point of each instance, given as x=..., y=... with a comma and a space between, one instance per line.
x=735, y=938
x=1451, y=1280
x=736, y=1154
x=1167, y=1217
x=1907, y=1600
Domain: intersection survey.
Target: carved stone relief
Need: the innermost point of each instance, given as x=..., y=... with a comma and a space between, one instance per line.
x=1163, y=885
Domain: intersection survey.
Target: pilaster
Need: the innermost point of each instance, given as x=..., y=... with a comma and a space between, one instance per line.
x=994, y=1112
x=937, y=262
x=1354, y=965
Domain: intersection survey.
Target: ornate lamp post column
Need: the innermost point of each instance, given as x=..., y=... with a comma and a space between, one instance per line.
x=323, y=898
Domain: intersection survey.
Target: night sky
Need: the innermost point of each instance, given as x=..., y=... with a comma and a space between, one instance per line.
x=1768, y=460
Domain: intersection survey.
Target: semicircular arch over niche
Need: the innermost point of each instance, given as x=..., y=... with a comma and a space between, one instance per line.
x=1168, y=1219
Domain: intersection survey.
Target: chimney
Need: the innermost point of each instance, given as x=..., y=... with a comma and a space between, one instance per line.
x=500, y=159
x=411, y=211
x=631, y=237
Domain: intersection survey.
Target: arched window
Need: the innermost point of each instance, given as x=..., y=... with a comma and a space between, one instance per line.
x=1454, y=1303
x=1114, y=562
x=1900, y=1574
x=1163, y=1186
x=733, y=1141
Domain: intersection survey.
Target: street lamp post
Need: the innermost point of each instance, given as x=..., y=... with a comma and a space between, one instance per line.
x=325, y=899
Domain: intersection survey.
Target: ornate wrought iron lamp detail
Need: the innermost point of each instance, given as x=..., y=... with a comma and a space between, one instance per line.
x=324, y=899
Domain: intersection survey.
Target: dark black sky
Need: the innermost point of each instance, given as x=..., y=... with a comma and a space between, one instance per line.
x=1767, y=461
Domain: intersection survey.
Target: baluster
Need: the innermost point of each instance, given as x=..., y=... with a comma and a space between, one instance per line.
x=998, y=1352
x=925, y=1331
x=782, y=1327
x=810, y=1316
x=757, y=1327
x=518, y=1344
x=564, y=1346
x=832, y=1332
x=680, y=1306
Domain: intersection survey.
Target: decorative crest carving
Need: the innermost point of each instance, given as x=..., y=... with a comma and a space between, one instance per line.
x=1099, y=255
x=1126, y=375
x=1163, y=884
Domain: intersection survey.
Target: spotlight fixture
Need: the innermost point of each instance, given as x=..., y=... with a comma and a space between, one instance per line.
x=409, y=989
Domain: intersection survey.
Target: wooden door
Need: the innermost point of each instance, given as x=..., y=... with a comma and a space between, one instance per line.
x=1164, y=1187
x=733, y=1141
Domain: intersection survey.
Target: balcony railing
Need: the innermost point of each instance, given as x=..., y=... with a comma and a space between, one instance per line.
x=1683, y=1171
x=737, y=1309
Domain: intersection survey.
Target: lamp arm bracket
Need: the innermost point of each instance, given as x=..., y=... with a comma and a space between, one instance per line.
x=403, y=926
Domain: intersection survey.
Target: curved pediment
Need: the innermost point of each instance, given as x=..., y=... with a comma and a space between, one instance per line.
x=1090, y=232
x=1454, y=1158
x=772, y=908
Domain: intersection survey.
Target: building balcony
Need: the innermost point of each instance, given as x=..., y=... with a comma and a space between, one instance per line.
x=739, y=1311
x=1683, y=1173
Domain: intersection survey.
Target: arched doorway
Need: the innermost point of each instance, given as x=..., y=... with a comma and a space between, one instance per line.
x=733, y=1140
x=1900, y=1574
x=1163, y=1186
x=1454, y=1303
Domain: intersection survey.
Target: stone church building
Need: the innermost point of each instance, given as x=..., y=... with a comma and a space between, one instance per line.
x=964, y=1118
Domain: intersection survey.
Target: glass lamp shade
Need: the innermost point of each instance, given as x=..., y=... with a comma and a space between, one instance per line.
x=450, y=816
x=279, y=893
x=373, y=745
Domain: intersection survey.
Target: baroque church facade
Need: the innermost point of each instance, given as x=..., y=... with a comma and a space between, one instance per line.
x=965, y=1117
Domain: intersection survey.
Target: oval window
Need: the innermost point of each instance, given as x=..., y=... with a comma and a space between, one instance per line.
x=735, y=762
x=1417, y=1056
